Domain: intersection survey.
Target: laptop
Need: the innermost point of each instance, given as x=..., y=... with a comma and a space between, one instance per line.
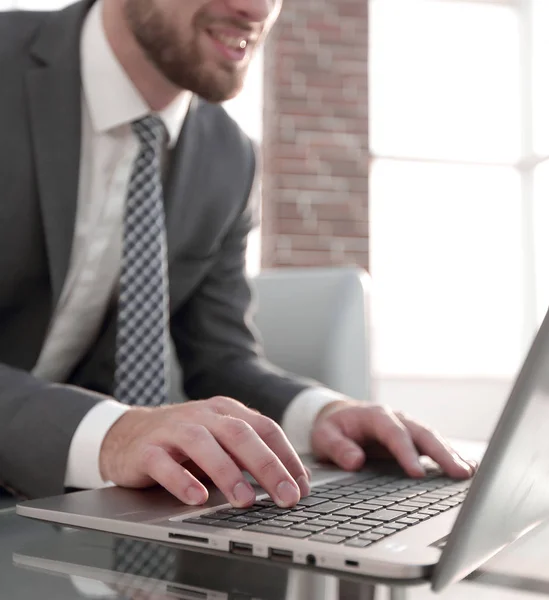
x=377, y=522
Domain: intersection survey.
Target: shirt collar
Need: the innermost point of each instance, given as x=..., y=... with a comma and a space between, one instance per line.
x=110, y=95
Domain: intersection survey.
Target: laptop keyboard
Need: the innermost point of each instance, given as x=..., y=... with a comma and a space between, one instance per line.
x=355, y=511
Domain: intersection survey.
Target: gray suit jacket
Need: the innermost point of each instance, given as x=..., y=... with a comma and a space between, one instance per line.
x=208, y=216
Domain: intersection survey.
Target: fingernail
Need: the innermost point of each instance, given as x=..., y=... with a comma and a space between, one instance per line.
x=287, y=494
x=465, y=465
x=304, y=485
x=195, y=496
x=243, y=494
x=420, y=468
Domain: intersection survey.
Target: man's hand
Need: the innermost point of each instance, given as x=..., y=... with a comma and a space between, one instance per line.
x=219, y=437
x=346, y=432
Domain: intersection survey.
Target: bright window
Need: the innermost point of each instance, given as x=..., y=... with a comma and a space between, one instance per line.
x=449, y=183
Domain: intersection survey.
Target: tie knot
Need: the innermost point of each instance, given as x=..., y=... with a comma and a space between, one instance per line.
x=150, y=131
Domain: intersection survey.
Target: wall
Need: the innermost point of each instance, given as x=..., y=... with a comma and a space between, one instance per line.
x=315, y=209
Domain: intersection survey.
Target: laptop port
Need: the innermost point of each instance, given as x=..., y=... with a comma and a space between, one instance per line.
x=311, y=560
x=188, y=538
x=242, y=548
x=281, y=555
x=351, y=563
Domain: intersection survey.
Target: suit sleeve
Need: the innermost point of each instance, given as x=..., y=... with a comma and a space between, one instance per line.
x=37, y=423
x=215, y=339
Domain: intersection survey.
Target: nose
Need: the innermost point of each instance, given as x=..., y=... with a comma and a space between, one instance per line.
x=256, y=11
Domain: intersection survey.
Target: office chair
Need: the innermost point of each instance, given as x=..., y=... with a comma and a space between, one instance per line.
x=315, y=322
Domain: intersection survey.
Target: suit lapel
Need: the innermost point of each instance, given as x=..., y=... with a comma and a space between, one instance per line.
x=54, y=93
x=184, y=167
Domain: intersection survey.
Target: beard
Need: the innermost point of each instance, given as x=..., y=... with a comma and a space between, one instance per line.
x=179, y=60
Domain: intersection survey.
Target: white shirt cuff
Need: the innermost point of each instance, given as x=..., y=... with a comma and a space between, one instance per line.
x=299, y=417
x=83, y=461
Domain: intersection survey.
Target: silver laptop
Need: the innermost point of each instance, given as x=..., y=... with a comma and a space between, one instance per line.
x=377, y=522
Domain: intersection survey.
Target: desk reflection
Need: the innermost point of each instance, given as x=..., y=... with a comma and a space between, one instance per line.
x=100, y=566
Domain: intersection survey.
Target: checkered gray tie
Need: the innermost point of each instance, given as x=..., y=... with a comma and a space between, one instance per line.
x=142, y=335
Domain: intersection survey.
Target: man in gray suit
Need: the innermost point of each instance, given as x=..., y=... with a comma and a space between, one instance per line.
x=119, y=173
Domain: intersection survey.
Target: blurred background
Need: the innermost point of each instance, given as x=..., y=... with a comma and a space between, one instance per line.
x=411, y=138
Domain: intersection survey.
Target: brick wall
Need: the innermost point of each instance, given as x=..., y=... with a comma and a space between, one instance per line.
x=315, y=194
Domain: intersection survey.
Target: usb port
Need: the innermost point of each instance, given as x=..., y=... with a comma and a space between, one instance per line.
x=242, y=548
x=281, y=555
x=351, y=563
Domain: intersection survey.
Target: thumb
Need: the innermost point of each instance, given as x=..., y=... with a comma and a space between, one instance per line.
x=330, y=442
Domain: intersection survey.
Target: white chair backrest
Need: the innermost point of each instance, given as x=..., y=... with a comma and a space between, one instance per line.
x=314, y=322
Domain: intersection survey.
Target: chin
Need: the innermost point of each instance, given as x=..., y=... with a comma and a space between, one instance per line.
x=217, y=94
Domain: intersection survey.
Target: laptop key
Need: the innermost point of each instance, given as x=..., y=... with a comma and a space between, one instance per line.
x=323, y=522
x=360, y=528
x=349, y=512
x=395, y=526
x=421, y=516
x=365, y=507
x=356, y=498
x=339, y=531
x=372, y=537
x=229, y=525
x=292, y=519
x=277, y=523
x=417, y=503
x=430, y=498
x=382, y=502
x=277, y=531
x=329, y=495
x=245, y=519
x=365, y=522
x=278, y=511
x=383, y=531
x=327, y=539
x=238, y=511
x=409, y=521
x=405, y=507
x=216, y=516
x=386, y=515
x=338, y=518
x=327, y=507
x=309, y=527
x=263, y=515
x=311, y=501
x=439, y=507
x=306, y=514
x=357, y=543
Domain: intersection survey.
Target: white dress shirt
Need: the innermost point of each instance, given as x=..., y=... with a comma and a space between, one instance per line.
x=110, y=103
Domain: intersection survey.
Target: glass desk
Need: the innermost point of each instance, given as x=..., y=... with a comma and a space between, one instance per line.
x=39, y=560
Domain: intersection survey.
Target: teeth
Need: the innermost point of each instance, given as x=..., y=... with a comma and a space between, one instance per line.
x=237, y=43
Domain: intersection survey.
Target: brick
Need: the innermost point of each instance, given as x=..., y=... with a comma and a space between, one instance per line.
x=316, y=135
